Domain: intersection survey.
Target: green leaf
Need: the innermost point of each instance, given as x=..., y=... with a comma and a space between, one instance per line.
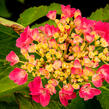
x=50, y=22
x=34, y=13
x=101, y=14
x=9, y=22
x=104, y=99
x=28, y=103
x=79, y=103
x=3, y=10
x=7, y=43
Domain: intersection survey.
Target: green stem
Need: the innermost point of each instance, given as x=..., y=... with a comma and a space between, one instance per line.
x=105, y=88
x=59, y=86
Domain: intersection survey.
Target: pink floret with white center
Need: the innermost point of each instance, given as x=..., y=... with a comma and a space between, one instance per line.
x=87, y=92
x=13, y=58
x=52, y=15
x=19, y=76
x=39, y=94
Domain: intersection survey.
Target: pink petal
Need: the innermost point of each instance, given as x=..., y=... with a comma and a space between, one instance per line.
x=45, y=99
x=64, y=101
x=36, y=98
x=24, y=39
x=52, y=15
x=19, y=76
x=95, y=91
x=13, y=58
x=97, y=80
x=104, y=70
x=35, y=85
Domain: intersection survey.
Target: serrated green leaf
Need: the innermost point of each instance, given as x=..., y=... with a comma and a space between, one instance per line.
x=3, y=10
x=34, y=13
x=50, y=22
x=101, y=14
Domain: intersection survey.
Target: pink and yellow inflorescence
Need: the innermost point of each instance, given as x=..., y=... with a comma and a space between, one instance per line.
x=68, y=56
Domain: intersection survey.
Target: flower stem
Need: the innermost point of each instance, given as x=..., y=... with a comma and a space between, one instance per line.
x=105, y=88
x=59, y=86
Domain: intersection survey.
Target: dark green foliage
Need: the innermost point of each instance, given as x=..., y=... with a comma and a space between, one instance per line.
x=3, y=9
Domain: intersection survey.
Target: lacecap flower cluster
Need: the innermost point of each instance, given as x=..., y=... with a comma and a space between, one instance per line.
x=69, y=57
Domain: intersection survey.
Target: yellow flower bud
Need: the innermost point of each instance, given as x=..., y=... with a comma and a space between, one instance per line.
x=57, y=21
x=64, y=82
x=105, y=51
x=33, y=74
x=80, y=80
x=49, y=67
x=58, y=54
x=76, y=86
x=91, y=54
x=71, y=23
x=56, y=35
x=61, y=78
x=95, y=52
x=67, y=26
x=100, y=55
x=61, y=27
x=103, y=57
x=97, y=37
x=67, y=20
x=85, y=77
x=97, y=43
x=103, y=42
x=107, y=58
x=96, y=59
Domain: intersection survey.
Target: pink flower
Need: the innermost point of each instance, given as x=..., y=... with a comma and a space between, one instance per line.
x=68, y=11
x=24, y=39
x=51, y=88
x=88, y=71
x=89, y=38
x=77, y=13
x=57, y=64
x=102, y=28
x=19, y=76
x=50, y=30
x=76, y=48
x=77, y=68
x=39, y=94
x=52, y=15
x=77, y=39
x=13, y=58
x=87, y=62
x=54, y=82
x=52, y=43
x=87, y=92
x=35, y=34
x=97, y=80
x=104, y=70
x=66, y=93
